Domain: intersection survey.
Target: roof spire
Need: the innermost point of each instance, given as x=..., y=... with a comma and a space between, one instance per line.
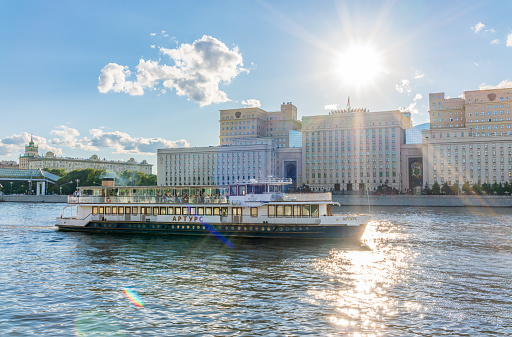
x=348, y=105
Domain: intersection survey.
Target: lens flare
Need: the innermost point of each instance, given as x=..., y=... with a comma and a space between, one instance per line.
x=133, y=297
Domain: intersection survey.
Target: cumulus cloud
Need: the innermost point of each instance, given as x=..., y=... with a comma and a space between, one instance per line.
x=412, y=107
x=478, y=27
x=197, y=71
x=152, y=34
x=503, y=84
x=509, y=40
x=122, y=142
x=495, y=41
x=404, y=87
x=253, y=103
x=16, y=144
x=331, y=106
x=68, y=137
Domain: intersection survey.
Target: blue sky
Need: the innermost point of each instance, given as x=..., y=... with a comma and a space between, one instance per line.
x=123, y=78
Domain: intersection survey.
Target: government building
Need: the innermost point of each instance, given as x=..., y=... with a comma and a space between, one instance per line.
x=470, y=139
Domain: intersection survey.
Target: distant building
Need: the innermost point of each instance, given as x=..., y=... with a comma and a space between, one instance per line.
x=8, y=164
x=31, y=152
x=470, y=139
x=247, y=158
x=256, y=122
x=32, y=160
x=486, y=112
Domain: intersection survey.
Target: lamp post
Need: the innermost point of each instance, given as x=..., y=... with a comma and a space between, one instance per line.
x=77, y=181
x=11, y=187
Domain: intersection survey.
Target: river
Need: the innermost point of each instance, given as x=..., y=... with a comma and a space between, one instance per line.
x=417, y=272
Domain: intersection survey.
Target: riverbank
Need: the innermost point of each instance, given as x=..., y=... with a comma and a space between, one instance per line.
x=424, y=200
x=34, y=198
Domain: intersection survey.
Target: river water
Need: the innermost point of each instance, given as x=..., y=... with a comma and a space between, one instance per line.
x=417, y=272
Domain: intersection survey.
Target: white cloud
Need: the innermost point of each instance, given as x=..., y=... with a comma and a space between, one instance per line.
x=509, y=40
x=495, y=41
x=412, y=107
x=404, y=87
x=122, y=142
x=113, y=78
x=198, y=70
x=153, y=46
x=478, y=27
x=67, y=136
x=253, y=103
x=331, y=107
x=418, y=74
x=16, y=144
x=503, y=84
x=152, y=34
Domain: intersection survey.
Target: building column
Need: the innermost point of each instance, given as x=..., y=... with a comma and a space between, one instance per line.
x=43, y=184
x=38, y=187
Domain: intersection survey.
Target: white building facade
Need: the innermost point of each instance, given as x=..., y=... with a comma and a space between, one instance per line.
x=247, y=158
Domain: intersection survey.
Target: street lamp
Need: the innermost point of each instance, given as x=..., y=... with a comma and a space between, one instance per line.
x=77, y=181
x=11, y=187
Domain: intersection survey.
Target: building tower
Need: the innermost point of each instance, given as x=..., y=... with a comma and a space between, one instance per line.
x=31, y=151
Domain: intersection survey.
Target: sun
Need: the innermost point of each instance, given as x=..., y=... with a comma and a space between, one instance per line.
x=359, y=65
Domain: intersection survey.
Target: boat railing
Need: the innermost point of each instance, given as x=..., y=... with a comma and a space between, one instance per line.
x=148, y=200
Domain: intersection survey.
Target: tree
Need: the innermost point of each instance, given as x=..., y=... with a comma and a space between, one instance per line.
x=436, y=190
x=427, y=190
x=478, y=190
x=466, y=188
x=446, y=189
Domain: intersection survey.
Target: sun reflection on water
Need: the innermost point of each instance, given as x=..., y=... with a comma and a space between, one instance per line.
x=361, y=280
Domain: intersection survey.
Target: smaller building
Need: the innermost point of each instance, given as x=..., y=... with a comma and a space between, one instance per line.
x=50, y=161
x=31, y=152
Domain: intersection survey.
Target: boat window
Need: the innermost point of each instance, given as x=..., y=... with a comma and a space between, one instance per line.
x=305, y=210
x=314, y=211
x=288, y=211
x=95, y=210
x=271, y=211
x=170, y=211
x=107, y=210
x=114, y=210
x=241, y=190
x=177, y=211
x=237, y=210
x=135, y=210
x=224, y=211
x=216, y=211
x=163, y=210
x=120, y=210
x=127, y=210
x=184, y=210
x=250, y=189
x=200, y=211
x=254, y=211
x=148, y=210
x=155, y=210
x=296, y=210
x=102, y=209
x=192, y=211
x=208, y=211
x=279, y=210
x=232, y=190
x=271, y=188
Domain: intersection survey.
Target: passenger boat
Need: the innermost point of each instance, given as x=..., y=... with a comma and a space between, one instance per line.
x=245, y=209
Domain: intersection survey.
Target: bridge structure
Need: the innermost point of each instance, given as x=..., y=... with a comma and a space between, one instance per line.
x=31, y=175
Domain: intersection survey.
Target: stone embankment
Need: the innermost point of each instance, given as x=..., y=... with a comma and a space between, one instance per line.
x=424, y=200
x=34, y=198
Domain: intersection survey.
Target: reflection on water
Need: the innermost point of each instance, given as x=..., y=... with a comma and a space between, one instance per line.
x=424, y=272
